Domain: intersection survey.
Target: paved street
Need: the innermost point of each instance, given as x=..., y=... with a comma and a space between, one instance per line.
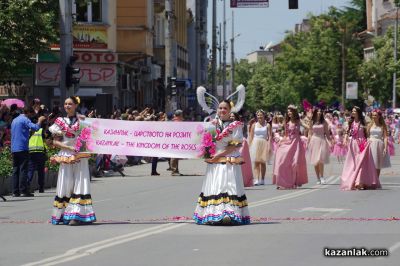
x=143, y=220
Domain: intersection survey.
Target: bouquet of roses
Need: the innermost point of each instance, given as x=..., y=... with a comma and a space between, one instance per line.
x=208, y=140
x=84, y=141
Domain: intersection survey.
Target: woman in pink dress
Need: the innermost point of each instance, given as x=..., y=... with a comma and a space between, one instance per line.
x=247, y=171
x=359, y=170
x=275, y=133
x=391, y=133
x=319, y=144
x=339, y=149
x=378, y=139
x=290, y=169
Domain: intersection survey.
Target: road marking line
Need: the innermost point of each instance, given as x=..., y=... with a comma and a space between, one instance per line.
x=314, y=209
x=394, y=247
x=291, y=195
x=325, y=212
x=92, y=248
x=391, y=250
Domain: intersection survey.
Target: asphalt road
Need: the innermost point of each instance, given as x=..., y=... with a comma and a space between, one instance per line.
x=145, y=220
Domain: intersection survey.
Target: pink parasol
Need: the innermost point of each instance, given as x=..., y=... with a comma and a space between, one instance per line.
x=9, y=102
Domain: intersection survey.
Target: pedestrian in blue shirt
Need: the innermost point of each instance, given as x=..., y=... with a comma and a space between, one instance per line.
x=20, y=133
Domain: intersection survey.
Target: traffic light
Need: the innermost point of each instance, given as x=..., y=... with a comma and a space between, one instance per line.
x=71, y=70
x=172, y=85
x=293, y=4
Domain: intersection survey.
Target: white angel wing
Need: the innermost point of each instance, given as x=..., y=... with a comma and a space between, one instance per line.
x=201, y=98
x=241, y=91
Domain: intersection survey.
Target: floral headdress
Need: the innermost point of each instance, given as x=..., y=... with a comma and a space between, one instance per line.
x=378, y=111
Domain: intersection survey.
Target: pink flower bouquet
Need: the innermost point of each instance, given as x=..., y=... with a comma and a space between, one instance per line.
x=84, y=141
x=208, y=140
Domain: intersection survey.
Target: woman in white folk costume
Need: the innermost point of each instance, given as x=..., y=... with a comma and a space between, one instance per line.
x=222, y=199
x=73, y=202
x=378, y=138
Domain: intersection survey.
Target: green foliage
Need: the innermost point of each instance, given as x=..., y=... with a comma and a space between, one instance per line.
x=6, y=162
x=27, y=27
x=377, y=73
x=50, y=152
x=308, y=65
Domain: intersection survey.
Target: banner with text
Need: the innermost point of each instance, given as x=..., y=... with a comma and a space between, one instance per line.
x=249, y=3
x=153, y=139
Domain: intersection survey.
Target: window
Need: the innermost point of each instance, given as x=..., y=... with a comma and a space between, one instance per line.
x=88, y=11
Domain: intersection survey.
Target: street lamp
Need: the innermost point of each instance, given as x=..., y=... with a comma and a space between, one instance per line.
x=233, y=60
x=395, y=55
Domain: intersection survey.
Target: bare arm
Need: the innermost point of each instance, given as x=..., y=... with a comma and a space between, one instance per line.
x=327, y=133
x=385, y=139
x=61, y=145
x=269, y=128
x=310, y=132
x=305, y=125
x=226, y=151
x=251, y=137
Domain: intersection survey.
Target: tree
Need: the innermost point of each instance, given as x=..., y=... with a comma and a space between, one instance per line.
x=309, y=64
x=27, y=27
x=377, y=73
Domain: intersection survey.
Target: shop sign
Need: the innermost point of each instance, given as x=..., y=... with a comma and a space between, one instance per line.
x=82, y=57
x=88, y=37
x=249, y=3
x=48, y=74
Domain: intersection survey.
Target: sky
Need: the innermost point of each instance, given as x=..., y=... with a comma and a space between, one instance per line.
x=260, y=26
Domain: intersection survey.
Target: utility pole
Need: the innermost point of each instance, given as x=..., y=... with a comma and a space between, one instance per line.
x=198, y=32
x=396, y=29
x=65, y=46
x=219, y=48
x=170, y=56
x=214, y=49
x=224, y=58
x=343, y=65
x=233, y=53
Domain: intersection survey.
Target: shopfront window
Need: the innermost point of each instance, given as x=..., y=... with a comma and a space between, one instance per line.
x=88, y=11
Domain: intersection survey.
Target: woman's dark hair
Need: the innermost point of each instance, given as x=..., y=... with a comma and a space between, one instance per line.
x=74, y=99
x=295, y=114
x=315, y=115
x=237, y=116
x=360, y=117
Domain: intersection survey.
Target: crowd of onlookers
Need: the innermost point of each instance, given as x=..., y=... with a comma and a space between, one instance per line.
x=103, y=162
x=8, y=113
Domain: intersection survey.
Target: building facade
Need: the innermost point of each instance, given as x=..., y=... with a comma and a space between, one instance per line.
x=120, y=50
x=181, y=18
x=381, y=14
x=197, y=45
x=94, y=45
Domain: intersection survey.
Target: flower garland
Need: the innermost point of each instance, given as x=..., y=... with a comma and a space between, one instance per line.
x=210, y=137
x=228, y=130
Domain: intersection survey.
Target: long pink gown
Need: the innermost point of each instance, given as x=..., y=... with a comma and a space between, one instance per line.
x=247, y=171
x=318, y=148
x=359, y=168
x=275, y=137
x=290, y=170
